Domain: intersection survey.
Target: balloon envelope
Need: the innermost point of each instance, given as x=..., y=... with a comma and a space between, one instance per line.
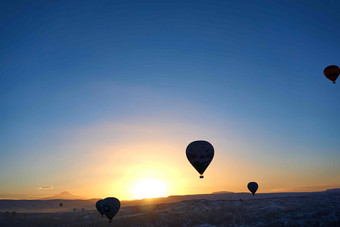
x=99, y=208
x=110, y=207
x=253, y=186
x=332, y=72
x=200, y=153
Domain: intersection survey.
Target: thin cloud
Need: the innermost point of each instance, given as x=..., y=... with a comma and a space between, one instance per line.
x=45, y=187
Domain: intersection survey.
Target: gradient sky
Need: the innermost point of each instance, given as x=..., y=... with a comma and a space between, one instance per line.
x=97, y=95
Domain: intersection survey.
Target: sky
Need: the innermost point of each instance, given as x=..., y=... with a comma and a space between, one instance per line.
x=101, y=98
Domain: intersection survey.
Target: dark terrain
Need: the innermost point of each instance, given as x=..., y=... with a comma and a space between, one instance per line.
x=231, y=209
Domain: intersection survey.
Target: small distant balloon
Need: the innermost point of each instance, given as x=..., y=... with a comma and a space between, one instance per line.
x=253, y=186
x=60, y=204
x=200, y=153
x=110, y=207
x=332, y=72
x=99, y=208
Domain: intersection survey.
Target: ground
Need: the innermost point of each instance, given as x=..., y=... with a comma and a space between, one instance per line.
x=310, y=209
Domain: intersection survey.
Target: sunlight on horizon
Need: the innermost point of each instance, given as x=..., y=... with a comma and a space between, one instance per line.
x=149, y=188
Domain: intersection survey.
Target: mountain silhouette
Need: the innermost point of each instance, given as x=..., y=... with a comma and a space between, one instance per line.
x=222, y=192
x=64, y=195
x=333, y=190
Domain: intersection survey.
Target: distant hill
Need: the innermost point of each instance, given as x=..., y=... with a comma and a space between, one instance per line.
x=333, y=190
x=222, y=192
x=64, y=195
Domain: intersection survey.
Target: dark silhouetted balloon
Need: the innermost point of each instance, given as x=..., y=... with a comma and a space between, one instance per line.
x=60, y=204
x=110, y=207
x=200, y=153
x=99, y=208
x=253, y=186
x=332, y=72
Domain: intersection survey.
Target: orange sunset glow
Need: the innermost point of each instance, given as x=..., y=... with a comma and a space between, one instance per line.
x=169, y=113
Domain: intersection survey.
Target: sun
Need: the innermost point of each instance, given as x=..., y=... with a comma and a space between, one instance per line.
x=149, y=188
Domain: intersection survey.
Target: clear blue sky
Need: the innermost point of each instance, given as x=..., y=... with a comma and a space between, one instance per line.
x=249, y=74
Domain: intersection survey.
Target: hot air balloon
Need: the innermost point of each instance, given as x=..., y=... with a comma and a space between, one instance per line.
x=110, y=207
x=332, y=72
x=99, y=208
x=200, y=153
x=253, y=186
x=60, y=204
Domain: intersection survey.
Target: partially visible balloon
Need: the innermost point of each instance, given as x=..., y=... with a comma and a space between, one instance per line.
x=332, y=72
x=98, y=206
x=253, y=186
x=200, y=153
x=110, y=207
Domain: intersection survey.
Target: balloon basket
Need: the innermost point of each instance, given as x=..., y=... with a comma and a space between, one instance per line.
x=201, y=177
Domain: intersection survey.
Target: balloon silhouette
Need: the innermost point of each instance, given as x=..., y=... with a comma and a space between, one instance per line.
x=99, y=208
x=253, y=186
x=200, y=153
x=60, y=204
x=110, y=207
x=332, y=72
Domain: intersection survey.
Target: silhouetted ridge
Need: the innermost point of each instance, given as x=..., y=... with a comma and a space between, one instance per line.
x=64, y=195
x=222, y=192
x=333, y=190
